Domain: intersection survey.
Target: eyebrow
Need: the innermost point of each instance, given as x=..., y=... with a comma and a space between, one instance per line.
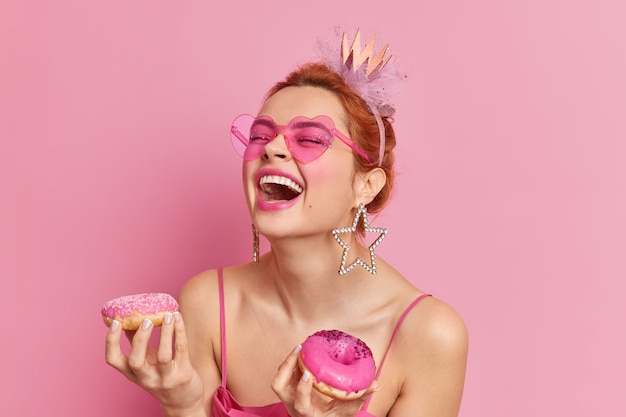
x=264, y=122
x=299, y=123
x=310, y=123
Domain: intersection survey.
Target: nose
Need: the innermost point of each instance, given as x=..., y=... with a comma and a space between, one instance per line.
x=276, y=148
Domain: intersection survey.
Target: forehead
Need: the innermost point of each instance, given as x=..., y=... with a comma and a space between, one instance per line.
x=304, y=101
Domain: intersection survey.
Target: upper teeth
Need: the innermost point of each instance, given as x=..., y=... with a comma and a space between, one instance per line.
x=276, y=179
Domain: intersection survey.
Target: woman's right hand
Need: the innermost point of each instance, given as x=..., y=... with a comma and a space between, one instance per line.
x=166, y=373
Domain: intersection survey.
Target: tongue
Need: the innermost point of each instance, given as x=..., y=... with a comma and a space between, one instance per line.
x=278, y=192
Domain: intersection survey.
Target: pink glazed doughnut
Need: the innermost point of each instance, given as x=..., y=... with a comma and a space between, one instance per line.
x=342, y=365
x=131, y=310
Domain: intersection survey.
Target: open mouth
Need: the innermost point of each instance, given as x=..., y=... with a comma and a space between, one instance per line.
x=278, y=188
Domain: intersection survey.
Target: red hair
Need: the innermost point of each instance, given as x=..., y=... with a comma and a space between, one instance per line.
x=362, y=126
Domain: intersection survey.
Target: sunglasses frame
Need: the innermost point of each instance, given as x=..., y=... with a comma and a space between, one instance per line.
x=238, y=138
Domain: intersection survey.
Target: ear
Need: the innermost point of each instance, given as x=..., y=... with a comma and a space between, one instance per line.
x=368, y=184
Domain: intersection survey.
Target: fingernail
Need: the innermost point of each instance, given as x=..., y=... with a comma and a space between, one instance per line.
x=146, y=324
x=297, y=349
x=306, y=376
x=376, y=389
x=167, y=318
x=115, y=325
x=177, y=316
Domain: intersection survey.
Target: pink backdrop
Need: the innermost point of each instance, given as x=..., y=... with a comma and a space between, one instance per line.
x=117, y=176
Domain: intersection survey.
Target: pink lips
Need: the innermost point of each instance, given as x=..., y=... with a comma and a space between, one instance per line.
x=278, y=204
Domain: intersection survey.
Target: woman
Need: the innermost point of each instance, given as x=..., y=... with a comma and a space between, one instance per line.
x=309, y=196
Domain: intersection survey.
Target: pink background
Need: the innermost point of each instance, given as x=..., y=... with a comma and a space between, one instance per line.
x=117, y=176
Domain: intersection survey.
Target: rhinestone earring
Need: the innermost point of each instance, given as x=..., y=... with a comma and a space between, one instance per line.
x=371, y=268
x=255, y=244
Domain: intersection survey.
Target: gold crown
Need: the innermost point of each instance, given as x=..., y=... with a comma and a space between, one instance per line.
x=354, y=56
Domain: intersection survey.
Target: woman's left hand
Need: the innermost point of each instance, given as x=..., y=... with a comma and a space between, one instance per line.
x=295, y=390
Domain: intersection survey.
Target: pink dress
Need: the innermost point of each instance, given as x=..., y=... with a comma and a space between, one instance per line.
x=224, y=405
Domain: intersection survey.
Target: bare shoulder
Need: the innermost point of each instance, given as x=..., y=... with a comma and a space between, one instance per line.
x=436, y=326
x=199, y=305
x=199, y=298
x=195, y=293
x=431, y=325
x=432, y=347
x=433, y=338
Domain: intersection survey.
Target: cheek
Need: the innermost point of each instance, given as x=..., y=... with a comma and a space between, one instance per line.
x=247, y=176
x=245, y=171
x=332, y=177
x=249, y=168
x=319, y=175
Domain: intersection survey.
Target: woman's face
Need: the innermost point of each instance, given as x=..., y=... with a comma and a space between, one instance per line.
x=290, y=198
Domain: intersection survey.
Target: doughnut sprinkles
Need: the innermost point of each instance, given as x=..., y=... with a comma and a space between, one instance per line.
x=342, y=366
x=131, y=310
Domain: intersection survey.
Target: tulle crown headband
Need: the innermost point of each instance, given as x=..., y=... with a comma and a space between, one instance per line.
x=372, y=74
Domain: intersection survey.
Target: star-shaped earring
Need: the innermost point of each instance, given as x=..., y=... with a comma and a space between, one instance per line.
x=371, y=268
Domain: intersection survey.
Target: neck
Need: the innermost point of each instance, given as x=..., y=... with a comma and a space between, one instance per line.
x=305, y=273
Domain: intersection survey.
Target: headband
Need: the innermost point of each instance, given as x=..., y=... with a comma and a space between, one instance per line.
x=372, y=74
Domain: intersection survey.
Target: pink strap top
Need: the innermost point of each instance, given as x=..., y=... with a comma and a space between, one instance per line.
x=224, y=405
